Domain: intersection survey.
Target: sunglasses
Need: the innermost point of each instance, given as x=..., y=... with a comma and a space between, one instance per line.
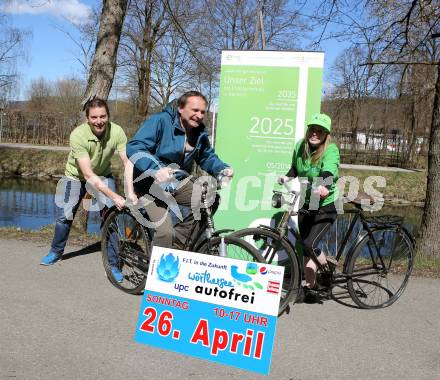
x=316, y=129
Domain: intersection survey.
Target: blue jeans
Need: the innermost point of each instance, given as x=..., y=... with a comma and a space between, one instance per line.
x=69, y=195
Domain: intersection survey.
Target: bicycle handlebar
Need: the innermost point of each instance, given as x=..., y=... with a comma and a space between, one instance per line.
x=222, y=180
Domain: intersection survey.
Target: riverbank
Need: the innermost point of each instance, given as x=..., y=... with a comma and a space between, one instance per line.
x=40, y=163
x=401, y=187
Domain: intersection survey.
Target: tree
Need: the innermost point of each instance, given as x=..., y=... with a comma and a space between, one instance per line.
x=40, y=93
x=146, y=26
x=406, y=40
x=67, y=95
x=85, y=43
x=11, y=44
x=400, y=34
x=429, y=241
x=102, y=70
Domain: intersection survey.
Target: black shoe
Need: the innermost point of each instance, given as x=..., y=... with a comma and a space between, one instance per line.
x=311, y=296
x=332, y=263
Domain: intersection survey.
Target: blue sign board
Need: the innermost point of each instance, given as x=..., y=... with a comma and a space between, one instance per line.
x=214, y=308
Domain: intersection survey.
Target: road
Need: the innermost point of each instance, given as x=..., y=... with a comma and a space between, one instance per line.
x=68, y=322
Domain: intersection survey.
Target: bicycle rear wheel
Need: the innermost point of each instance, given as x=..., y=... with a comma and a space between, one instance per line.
x=379, y=267
x=276, y=251
x=126, y=245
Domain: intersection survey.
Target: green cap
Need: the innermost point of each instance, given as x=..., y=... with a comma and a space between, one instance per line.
x=322, y=120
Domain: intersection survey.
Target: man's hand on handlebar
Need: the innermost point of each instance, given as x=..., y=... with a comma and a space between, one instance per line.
x=228, y=172
x=164, y=175
x=132, y=199
x=118, y=201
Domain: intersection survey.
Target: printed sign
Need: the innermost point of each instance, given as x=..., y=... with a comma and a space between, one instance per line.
x=211, y=307
x=266, y=98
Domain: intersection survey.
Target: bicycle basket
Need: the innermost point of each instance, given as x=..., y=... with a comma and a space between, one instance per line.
x=384, y=220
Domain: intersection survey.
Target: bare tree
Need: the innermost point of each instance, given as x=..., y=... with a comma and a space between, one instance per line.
x=145, y=27
x=400, y=34
x=85, y=43
x=172, y=68
x=40, y=93
x=67, y=95
x=11, y=44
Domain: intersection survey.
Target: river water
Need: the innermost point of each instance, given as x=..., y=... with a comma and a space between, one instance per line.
x=29, y=203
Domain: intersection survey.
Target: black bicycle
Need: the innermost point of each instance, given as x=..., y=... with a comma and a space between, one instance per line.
x=126, y=243
x=377, y=263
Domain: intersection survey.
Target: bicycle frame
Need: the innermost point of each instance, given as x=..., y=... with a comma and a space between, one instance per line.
x=203, y=230
x=283, y=228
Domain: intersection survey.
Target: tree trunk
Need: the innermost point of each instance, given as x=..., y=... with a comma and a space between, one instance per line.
x=103, y=67
x=429, y=241
x=412, y=135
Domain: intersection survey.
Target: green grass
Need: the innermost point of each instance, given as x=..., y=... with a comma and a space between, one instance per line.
x=32, y=162
x=426, y=266
x=401, y=185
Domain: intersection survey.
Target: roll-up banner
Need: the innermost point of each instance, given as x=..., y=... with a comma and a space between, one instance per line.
x=266, y=98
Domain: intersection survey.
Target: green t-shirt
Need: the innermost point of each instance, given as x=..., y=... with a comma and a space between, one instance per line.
x=329, y=162
x=100, y=150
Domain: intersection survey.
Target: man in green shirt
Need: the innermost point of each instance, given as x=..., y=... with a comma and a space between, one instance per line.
x=92, y=146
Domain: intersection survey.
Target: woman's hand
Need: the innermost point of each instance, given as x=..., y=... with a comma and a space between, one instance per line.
x=283, y=179
x=322, y=191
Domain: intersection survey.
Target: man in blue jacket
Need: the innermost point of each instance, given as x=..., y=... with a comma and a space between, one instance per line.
x=173, y=137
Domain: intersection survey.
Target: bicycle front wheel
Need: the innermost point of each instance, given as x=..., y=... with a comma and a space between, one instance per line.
x=379, y=267
x=126, y=247
x=277, y=251
x=235, y=249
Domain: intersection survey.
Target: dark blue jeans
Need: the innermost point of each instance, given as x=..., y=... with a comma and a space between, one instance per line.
x=69, y=195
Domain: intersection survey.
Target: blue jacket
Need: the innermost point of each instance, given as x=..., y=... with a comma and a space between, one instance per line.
x=162, y=138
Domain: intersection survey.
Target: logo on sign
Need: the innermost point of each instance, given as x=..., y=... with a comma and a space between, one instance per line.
x=263, y=270
x=273, y=287
x=246, y=279
x=168, y=268
x=251, y=268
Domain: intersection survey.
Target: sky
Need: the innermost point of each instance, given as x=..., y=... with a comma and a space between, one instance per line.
x=52, y=54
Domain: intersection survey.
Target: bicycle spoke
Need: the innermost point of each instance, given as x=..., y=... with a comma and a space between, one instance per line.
x=379, y=268
x=276, y=251
x=129, y=245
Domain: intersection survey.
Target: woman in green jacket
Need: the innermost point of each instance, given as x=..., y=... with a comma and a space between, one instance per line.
x=316, y=162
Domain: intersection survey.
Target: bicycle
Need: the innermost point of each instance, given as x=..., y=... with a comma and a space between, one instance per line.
x=123, y=234
x=376, y=268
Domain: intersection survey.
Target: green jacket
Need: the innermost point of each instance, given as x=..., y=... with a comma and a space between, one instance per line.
x=327, y=166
